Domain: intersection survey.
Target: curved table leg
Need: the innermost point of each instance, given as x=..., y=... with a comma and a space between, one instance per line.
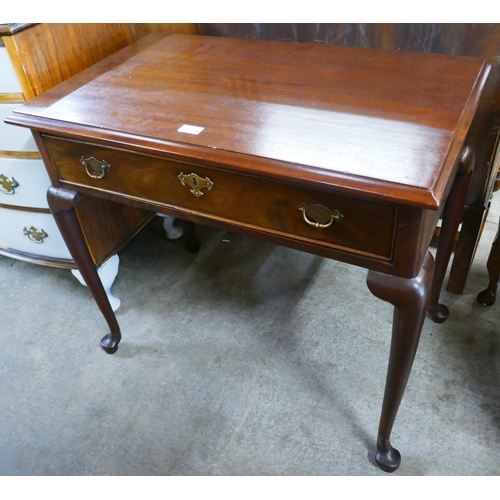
x=487, y=297
x=62, y=203
x=451, y=220
x=410, y=298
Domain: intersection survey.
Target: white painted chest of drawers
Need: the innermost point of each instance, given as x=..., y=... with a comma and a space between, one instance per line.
x=30, y=65
x=27, y=229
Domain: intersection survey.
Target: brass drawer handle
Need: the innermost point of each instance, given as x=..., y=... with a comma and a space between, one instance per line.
x=8, y=186
x=322, y=217
x=95, y=168
x=35, y=235
x=196, y=183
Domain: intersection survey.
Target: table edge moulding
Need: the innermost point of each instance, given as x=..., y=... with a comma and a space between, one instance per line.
x=347, y=153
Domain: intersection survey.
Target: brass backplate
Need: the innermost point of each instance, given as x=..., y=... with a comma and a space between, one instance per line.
x=8, y=186
x=196, y=183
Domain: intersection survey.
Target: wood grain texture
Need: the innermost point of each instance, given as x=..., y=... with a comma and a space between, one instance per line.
x=143, y=29
x=49, y=53
x=462, y=39
x=274, y=114
x=7, y=29
x=136, y=100
x=24, y=155
x=17, y=64
x=465, y=39
x=232, y=197
x=41, y=260
x=12, y=97
x=106, y=225
x=335, y=115
x=44, y=55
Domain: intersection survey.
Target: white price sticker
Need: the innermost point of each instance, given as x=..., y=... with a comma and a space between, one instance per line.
x=190, y=129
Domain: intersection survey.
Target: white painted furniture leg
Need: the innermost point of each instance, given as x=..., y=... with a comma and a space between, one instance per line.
x=173, y=232
x=107, y=273
x=109, y=270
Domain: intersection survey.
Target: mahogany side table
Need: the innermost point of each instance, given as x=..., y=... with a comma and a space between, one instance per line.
x=348, y=153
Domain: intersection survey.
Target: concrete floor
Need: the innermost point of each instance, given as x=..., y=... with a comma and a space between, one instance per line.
x=244, y=359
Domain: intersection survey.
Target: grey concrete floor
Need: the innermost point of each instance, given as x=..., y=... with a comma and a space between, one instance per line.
x=245, y=359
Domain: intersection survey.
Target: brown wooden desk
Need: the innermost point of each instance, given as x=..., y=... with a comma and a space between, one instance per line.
x=343, y=152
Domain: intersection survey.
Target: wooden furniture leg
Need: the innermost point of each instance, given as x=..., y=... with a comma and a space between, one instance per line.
x=62, y=203
x=470, y=231
x=451, y=220
x=410, y=298
x=172, y=232
x=487, y=297
x=193, y=244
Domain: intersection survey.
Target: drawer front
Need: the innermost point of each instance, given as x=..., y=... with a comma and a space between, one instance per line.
x=8, y=79
x=25, y=232
x=14, y=138
x=266, y=204
x=23, y=183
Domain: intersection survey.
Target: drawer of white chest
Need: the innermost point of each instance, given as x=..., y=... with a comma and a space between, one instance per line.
x=23, y=183
x=14, y=138
x=8, y=78
x=33, y=233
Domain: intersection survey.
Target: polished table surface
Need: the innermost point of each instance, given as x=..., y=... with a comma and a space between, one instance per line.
x=348, y=153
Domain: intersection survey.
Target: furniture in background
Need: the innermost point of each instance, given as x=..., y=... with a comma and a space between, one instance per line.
x=33, y=59
x=488, y=296
x=463, y=39
x=340, y=152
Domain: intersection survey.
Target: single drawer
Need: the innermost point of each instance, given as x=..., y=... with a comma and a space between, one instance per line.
x=32, y=233
x=8, y=78
x=14, y=138
x=23, y=183
x=358, y=226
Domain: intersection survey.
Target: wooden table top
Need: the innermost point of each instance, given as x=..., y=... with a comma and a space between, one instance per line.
x=385, y=124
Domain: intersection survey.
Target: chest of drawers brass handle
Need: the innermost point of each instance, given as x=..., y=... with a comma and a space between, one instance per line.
x=8, y=186
x=95, y=168
x=35, y=235
x=196, y=183
x=322, y=217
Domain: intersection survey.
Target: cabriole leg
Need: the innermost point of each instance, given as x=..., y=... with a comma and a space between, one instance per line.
x=487, y=297
x=409, y=298
x=451, y=221
x=62, y=203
